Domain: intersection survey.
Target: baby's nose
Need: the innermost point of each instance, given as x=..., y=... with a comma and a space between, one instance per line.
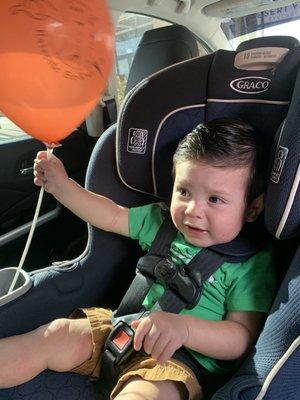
x=195, y=209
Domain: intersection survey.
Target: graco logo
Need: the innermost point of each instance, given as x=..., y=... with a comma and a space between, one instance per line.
x=137, y=140
x=279, y=161
x=250, y=84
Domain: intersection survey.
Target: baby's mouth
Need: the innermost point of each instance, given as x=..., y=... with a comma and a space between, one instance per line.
x=194, y=229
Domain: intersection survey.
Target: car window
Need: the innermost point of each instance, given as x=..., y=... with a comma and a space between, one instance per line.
x=10, y=131
x=283, y=21
x=129, y=31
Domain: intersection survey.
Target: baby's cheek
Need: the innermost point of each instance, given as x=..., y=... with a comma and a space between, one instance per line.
x=176, y=217
x=227, y=231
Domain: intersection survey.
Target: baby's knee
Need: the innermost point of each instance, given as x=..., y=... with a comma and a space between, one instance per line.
x=137, y=388
x=67, y=343
x=56, y=330
x=66, y=331
x=54, y=336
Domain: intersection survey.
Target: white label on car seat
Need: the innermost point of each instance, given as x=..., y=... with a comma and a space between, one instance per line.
x=279, y=161
x=260, y=58
x=250, y=84
x=137, y=140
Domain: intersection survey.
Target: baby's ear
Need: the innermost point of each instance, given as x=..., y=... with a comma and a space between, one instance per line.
x=255, y=208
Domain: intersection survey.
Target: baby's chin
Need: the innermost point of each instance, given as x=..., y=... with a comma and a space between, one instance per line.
x=206, y=240
x=199, y=242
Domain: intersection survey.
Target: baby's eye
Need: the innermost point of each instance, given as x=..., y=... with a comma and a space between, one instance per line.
x=183, y=192
x=215, y=200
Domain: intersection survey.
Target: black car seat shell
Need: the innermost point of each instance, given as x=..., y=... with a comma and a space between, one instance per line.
x=131, y=164
x=159, y=48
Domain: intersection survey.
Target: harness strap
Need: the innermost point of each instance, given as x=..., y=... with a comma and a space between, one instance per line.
x=200, y=268
x=169, y=302
x=183, y=285
x=134, y=297
x=164, y=237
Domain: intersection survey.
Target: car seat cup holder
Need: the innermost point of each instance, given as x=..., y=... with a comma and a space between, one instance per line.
x=22, y=285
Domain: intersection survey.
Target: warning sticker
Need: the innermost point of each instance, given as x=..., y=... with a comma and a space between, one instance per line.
x=137, y=140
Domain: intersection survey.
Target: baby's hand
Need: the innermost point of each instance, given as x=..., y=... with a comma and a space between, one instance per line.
x=160, y=334
x=49, y=173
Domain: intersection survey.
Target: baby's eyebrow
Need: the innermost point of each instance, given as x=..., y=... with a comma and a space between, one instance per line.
x=222, y=193
x=182, y=182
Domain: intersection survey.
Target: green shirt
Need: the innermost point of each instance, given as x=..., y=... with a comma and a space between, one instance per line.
x=247, y=286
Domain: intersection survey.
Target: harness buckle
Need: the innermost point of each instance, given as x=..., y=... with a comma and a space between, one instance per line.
x=186, y=284
x=118, y=347
x=119, y=344
x=165, y=270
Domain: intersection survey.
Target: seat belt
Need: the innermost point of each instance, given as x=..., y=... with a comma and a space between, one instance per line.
x=110, y=112
x=182, y=290
x=183, y=284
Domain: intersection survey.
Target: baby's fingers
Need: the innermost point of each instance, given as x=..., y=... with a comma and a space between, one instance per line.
x=135, y=323
x=38, y=182
x=151, y=339
x=41, y=155
x=159, y=346
x=140, y=333
x=166, y=353
x=38, y=167
x=39, y=177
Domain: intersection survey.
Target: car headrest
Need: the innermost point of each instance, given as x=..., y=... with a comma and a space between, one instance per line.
x=159, y=48
x=255, y=84
x=287, y=42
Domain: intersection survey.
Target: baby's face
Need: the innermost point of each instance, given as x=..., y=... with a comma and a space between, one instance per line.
x=209, y=203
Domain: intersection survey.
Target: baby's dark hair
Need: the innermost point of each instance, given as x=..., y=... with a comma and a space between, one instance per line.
x=226, y=142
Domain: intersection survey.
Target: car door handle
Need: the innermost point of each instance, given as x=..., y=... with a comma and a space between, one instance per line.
x=26, y=171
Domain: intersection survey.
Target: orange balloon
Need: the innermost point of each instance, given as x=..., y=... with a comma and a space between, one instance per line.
x=55, y=60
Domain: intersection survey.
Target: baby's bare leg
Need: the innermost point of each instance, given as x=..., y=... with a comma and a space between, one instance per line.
x=139, y=389
x=60, y=346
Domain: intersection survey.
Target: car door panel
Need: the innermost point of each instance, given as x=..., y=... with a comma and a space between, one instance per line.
x=19, y=196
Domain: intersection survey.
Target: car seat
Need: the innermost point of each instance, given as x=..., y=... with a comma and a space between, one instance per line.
x=131, y=164
x=157, y=49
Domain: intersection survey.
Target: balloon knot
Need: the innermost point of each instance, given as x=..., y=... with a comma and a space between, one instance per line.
x=52, y=145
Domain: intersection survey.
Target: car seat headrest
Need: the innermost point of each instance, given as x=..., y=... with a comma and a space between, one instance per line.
x=169, y=104
x=288, y=42
x=160, y=48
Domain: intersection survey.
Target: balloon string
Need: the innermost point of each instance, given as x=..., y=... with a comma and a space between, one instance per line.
x=31, y=232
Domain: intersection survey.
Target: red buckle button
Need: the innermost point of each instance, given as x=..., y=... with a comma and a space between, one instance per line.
x=121, y=339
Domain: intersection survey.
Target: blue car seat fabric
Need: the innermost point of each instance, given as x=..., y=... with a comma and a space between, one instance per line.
x=281, y=329
x=202, y=89
x=283, y=220
x=51, y=386
x=284, y=381
x=131, y=164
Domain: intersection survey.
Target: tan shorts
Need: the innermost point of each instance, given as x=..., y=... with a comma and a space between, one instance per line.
x=145, y=367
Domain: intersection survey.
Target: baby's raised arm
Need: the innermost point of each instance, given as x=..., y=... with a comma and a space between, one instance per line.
x=97, y=210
